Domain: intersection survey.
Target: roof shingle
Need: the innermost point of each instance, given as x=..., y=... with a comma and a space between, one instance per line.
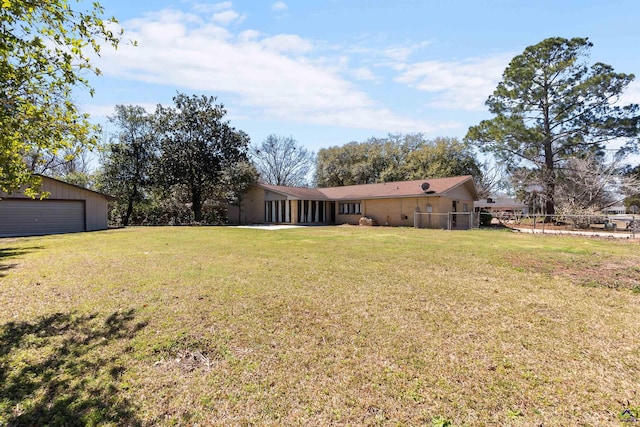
x=372, y=191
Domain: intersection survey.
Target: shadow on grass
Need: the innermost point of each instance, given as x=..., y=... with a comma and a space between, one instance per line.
x=65, y=369
x=12, y=253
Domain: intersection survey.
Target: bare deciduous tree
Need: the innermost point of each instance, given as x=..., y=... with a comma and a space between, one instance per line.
x=590, y=183
x=491, y=181
x=281, y=161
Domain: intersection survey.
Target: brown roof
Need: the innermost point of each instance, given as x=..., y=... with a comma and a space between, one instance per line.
x=45, y=178
x=437, y=186
x=302, y=193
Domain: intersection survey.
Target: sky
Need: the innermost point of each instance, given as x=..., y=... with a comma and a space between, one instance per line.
x=328, y=72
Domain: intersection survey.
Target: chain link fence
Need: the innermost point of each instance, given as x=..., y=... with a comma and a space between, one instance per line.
x=446, y=221
x=614, y=225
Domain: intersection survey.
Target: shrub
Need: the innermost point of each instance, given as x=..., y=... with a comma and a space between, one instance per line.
x=485, y=219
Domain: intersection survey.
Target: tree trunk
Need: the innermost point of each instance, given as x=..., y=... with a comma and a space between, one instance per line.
x=550, y=204
x=548, y=173
x=196, y=200
x=127, y=215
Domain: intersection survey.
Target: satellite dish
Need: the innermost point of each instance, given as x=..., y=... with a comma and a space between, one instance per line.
x=425, y=186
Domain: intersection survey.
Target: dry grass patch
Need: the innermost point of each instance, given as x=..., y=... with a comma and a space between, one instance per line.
x=616, y=270
x=315, y=326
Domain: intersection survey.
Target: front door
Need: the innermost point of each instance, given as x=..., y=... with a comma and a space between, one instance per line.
x=332, y=212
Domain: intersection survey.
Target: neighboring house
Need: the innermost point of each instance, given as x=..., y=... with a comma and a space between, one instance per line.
x=67, y=209
x=614, y=210
x=432, y=203
x=501, y=204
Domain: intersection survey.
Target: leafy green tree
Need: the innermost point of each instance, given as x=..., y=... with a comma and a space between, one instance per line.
x=374, y=160
x=353, y=163
x=551, y=106
x=127, y=161
x=281, y=161
x=441, y=158
x=395, y=158
x=45, y=49
x=196, y=146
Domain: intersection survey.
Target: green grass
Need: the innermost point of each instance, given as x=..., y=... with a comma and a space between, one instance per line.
x=317, y=326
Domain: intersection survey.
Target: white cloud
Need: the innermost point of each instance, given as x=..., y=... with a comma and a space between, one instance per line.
x=364, y=74
x=222, y=5
x=248, y=36
x=279, y=76
x=279, y=6
x=211, y=8
x=461, y=85
x=287, y=43
x=227, y=17
x=398, y=53
x=395, y=53
x=631, y=95
x=402, y=53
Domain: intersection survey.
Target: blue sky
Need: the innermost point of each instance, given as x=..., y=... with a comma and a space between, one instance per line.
x=328, y=72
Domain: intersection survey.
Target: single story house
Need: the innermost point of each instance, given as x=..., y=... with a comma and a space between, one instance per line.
x=614, y=210
x=431, y=203
x=67, y=209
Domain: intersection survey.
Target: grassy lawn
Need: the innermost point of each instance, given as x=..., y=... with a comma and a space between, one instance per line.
x=318, y=326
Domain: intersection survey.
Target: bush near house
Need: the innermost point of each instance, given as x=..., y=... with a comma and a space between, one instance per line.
x=485, y=219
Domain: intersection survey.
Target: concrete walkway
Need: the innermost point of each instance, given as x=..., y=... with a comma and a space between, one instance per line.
x=270, y=227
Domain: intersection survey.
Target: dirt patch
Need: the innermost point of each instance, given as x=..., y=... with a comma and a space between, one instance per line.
x=187, y=361
x=596, y=271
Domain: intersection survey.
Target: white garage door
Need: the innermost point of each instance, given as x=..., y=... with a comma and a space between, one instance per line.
x=26, y=217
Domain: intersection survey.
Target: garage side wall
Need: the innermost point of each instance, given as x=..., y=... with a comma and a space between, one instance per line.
x=252, y=207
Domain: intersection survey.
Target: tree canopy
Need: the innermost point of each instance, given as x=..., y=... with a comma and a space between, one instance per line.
x=442, y=157
x=196, y=146
x=552, y=106
x=395, y=158
x=128, y=159
x=45, y=50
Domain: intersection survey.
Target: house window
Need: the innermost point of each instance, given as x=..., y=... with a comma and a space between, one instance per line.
x=311, y=211
x=349, y=209
x=277, y=211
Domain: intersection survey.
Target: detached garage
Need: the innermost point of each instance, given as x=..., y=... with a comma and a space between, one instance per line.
x=67, y=209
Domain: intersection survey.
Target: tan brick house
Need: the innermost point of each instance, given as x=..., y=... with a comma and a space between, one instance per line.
x=430, y=203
